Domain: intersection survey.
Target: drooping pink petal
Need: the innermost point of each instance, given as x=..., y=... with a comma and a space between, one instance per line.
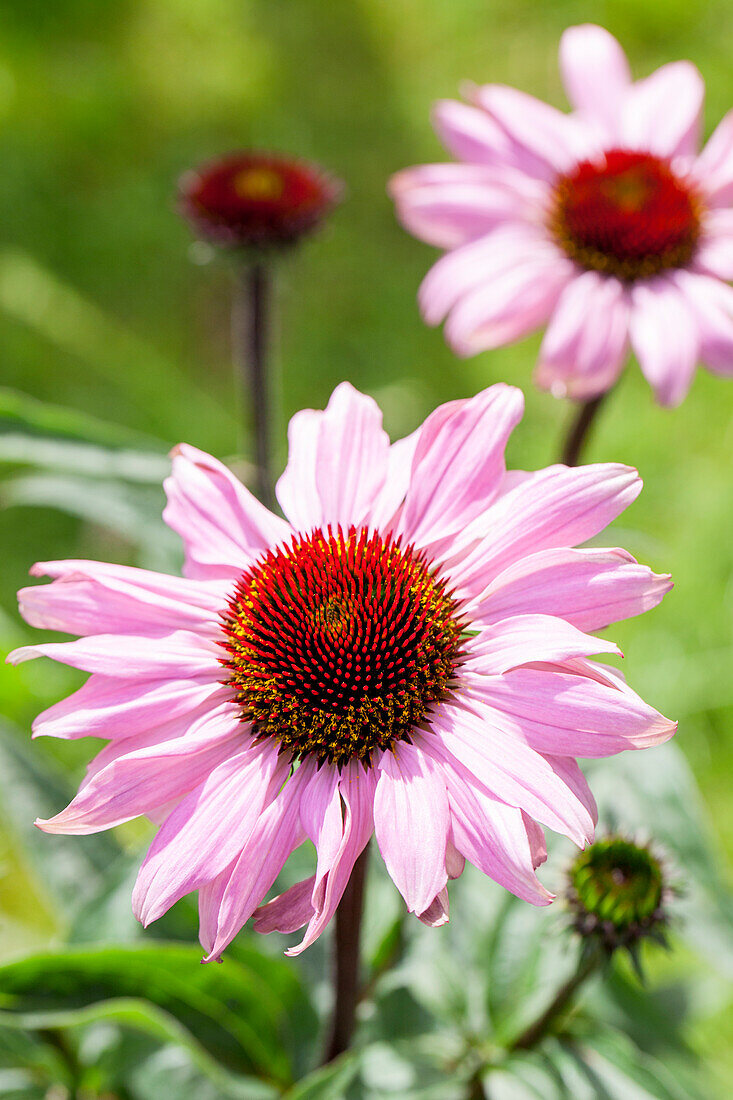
x=595, y=73
x=466, y=268
x=229, y=901
x=589, y=588
x=525, y=638
x=492, y=836
x=208, y=829
x=89, y=597
x=545, y=140
x=129, y=656
x=337, y=462
x=223, y=527
x=129, y=780
x=448, y=488
x=587, y=341
x=537, y=842
x=664, y=337
x=509, y=304
x=662, y=114
x=555, y=507
x=113, y=708
x=451, y=204
x=411, y=823
x=336, y=862
x=714, y=167
x=568, y=769
x=554, y=712
x=437, y=913
x=508, y=769
x=287, y=912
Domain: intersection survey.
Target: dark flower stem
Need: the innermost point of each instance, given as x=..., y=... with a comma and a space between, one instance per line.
x=579, y=430
x=346, y=960
x=541, y=1026
x=250, y=330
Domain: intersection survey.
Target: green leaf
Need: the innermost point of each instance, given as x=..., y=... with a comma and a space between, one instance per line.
x=20, y=413
x=236, y=1013
x=329, y=1082
x=67, y=869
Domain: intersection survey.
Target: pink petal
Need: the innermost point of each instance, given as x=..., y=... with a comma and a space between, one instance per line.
x=208, y=829
x=126, y=656
x=595, y=73
x=109, y=707
x=545, y=140
x=132, y=777
x=586, y=341
x=712, y=303
x=663, y=113
x=95, y=598
x=336, y=862
x=468, y=267
x=450, y=204
x=537, y=842
x=448, y=487
x=714, y=254
x=509, y=304
x=288, y=911
x=524, y=638
x=411, y=823
x=227, y=903
x=554, y=712
x=556, y=507
x=714, y=167
x=470, y=134
x=665, y=338
x=493, y=836
x=589, y=588
x=337, y=462
x=568, y=769
x=223, y=527
x=388, y=500
x=508, y=769
x=436, y=914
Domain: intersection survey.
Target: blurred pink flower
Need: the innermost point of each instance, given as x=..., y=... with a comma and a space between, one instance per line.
x=605, y=223
x=404, y=654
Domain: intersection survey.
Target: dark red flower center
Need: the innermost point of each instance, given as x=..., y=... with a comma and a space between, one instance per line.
x=338, y=644
x=256, y=199
x=627, y=214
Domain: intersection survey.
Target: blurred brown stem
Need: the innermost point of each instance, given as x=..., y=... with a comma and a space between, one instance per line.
x=250, y=333
x=346, y=960
x=579, y=430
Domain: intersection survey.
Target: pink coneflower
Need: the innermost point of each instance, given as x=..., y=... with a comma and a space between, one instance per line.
x=256, y=200
x=605, y=223
x=404, y=655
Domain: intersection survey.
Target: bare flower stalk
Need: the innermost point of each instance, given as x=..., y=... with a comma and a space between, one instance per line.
x=250, y=334
x=347, y=960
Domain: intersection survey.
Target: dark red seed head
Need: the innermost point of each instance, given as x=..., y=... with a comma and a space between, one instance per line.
x=256, y=199
x=626, y=214
x=338, y=644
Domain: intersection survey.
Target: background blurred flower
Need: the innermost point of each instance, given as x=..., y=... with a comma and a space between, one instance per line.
x=604, y=222
x=256, y=200
x=405, y=654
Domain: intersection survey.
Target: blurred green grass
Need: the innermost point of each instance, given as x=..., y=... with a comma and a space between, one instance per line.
x=103, y=309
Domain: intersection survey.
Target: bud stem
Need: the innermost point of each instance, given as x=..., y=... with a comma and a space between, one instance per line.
x=536, y=1031
x=250, y=320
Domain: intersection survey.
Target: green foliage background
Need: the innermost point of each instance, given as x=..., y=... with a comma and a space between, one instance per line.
x=107, y=310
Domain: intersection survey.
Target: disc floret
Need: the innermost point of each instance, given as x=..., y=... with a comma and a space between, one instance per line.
x=626, y=214
x=339, y=643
